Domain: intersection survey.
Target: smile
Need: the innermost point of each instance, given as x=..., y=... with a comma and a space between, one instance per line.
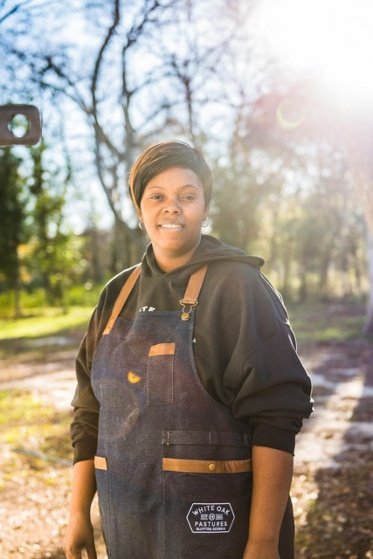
x=171, y=226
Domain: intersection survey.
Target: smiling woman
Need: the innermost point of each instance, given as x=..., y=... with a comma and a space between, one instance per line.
x=332, y=40
x=195, y=384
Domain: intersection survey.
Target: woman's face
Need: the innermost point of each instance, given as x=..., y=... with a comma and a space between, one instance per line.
x=172, y=209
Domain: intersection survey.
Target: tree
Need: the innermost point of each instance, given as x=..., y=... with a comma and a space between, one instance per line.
x=110, y=113
x=363, y=180
x=12, y=222
x=50, y=257
x=356, y=132
x=152, y=69
x=162, y=62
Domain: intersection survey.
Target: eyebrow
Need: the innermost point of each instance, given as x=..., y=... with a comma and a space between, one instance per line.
x=195, y=186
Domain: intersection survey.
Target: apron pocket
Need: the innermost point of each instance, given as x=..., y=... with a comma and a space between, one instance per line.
x=206, y=501
x=160, y=374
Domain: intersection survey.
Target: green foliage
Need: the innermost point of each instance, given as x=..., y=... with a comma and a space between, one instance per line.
x=47, y=321
x=83, y=295
x=34, y=301
x=29, y=300
x=283, y=194
x=50, y=258
x=12, y=218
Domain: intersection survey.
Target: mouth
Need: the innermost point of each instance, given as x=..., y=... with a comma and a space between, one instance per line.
x=171, y=226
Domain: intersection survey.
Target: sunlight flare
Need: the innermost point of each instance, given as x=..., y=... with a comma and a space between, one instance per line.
x=331, y=40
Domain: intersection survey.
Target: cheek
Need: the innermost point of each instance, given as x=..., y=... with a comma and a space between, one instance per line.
x=204, y=211
x=145, y=213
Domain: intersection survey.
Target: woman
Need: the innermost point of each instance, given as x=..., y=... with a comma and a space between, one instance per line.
x=190, y=391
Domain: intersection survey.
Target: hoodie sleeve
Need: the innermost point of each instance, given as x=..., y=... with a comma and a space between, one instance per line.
x=274, y=395
x=255, y=367
x=84, y=425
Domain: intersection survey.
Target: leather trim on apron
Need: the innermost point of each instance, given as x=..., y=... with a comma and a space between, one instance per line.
x=206, y=466
x=162, y=349
x=100, y=463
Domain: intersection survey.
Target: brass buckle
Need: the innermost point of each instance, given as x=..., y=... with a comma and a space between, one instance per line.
x=187, y=310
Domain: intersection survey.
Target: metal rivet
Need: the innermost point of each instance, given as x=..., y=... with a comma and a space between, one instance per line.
x=212, y=467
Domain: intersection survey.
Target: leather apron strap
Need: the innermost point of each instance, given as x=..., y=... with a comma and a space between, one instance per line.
x=194, y=286
x=188, y=302
x=122, y=298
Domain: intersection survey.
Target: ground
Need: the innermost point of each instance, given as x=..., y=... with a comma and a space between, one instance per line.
x=333, y=481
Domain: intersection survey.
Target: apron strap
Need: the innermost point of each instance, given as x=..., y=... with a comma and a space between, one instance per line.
x=188, y=302
x=122, y=298
x=190, y=299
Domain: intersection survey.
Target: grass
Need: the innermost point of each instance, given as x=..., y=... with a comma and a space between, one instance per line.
x=320, y=323
x=85, y=295
x=312, y=322
x=44, y=322
x=32, y=434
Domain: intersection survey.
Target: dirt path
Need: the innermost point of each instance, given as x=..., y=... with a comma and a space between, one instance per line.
x=333, y=480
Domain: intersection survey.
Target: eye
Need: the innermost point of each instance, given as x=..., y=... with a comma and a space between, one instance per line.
x=155, y=197
x=189, y=197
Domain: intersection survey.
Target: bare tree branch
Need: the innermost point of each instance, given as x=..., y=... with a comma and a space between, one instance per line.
x=13, y=10
x=101, y=52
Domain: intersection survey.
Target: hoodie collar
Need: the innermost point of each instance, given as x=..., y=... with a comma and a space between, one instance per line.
x=210, y=249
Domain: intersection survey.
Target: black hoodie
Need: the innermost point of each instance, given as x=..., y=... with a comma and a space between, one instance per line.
x=244, y=347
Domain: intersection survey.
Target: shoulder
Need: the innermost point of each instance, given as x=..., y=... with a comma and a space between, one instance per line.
x=113, y=287
x=242, y=284
x=232, y=273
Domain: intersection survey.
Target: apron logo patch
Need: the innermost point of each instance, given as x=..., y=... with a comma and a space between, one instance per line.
x=210, y=518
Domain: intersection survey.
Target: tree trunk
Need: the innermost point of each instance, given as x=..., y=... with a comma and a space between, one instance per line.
x=359, y=152
x=324, y=277
x=17, y=291
x=303, y=288
x=368, y=326
x=17, y=302
x=286, y=262
x=128, y=246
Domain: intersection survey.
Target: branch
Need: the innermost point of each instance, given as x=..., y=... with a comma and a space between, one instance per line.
x=51, y=65
x=12, y=11
x=136, y=29
x=100, y=56
x=163, y=107
x=32, y=7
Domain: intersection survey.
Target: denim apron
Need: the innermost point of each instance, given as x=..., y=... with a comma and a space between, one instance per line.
x=173, y=466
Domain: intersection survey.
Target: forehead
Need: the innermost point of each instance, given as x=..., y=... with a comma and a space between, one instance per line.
x=175, y=177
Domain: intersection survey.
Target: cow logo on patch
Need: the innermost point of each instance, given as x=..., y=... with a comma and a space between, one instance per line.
x=210, y=518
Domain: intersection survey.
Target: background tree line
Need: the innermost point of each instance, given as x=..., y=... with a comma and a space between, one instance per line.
x=112, y=77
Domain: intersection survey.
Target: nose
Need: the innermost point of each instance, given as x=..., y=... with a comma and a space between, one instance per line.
x=171, y=207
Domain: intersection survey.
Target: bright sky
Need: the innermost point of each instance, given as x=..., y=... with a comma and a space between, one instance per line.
x=332, y=39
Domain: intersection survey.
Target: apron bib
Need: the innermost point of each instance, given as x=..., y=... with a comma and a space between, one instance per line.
x=173, y=466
